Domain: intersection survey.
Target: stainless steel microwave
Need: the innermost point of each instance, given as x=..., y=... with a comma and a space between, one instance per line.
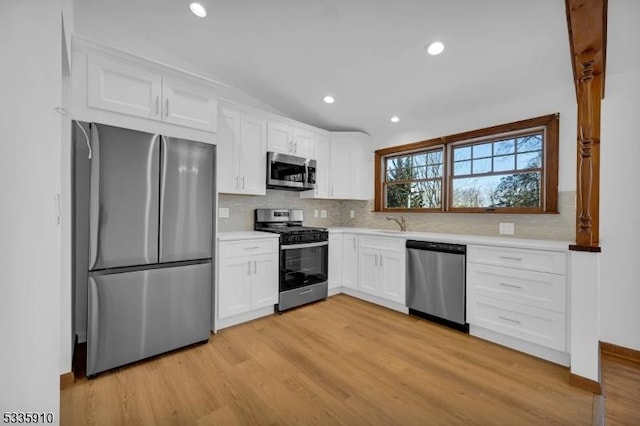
x=290, y=172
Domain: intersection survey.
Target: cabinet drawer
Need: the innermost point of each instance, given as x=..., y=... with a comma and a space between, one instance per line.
x=535, y=289
x=386, y=243
x=248, y=247
x=535, y=260
x=534, y=325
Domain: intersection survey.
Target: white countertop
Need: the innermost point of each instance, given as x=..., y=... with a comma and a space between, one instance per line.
x=245, y=235
x=461, y=238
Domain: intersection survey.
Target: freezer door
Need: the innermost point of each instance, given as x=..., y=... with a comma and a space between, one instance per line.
x=186, y=200
x=123, y=207
x=135, y=315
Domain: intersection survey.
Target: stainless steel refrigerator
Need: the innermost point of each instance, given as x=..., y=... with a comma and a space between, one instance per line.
x=145, y=213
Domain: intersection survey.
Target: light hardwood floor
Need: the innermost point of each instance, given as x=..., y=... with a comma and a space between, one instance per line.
x=621, y=386
x=340, y=361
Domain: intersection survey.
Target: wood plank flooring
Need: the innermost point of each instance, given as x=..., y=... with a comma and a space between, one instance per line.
x=338, y=362
x=621, y=385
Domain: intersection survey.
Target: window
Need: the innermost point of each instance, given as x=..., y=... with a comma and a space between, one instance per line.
x=511, y=168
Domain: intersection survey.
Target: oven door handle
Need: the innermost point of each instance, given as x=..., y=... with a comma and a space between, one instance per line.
x=301, y=246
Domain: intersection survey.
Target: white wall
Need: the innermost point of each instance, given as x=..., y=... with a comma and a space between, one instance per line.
x=30, y=87
x=619, y=211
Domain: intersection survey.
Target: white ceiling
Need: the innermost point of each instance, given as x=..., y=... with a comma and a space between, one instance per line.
x=369, y=54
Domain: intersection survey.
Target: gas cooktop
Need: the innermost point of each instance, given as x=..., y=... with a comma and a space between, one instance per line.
x=288, y=223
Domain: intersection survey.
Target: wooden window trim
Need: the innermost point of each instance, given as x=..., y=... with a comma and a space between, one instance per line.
x=549, y=190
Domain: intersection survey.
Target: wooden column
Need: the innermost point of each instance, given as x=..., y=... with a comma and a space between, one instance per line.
x=586, y=20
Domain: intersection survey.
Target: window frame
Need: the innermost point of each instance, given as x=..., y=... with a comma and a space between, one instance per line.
x=549, y=124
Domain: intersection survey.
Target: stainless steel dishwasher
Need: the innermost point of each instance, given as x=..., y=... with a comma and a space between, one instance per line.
x=436, y=285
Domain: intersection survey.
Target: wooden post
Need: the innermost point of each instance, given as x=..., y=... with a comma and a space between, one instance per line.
x=586, y=20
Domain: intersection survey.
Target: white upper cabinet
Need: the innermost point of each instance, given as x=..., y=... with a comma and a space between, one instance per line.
x=288, y=139
x=344, y=167
x=130, y=89
x=188, y=104
x=119, y=87
x=323, y=168
x=241, y=155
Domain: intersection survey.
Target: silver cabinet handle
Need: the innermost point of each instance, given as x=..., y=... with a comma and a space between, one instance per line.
x=237, y=181
x=295, y=147
x=157, y=105
x=306, y=292
x=249, y=267
x=243, y=181
x=381, y=257
x=510, y=258
x=510, y=285
x=354, y=243
x=252, y=248
x=510, y=320
x=255, y=267
x=166, y=111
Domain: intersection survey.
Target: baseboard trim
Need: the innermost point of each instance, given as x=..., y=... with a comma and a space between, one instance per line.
x=67, y=379
x=620, y=351
x=584, y=383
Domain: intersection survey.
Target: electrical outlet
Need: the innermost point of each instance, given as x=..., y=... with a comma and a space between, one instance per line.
x=223, y=212
x=352, y=214
x=323, y=213
x=507, y=228
x=315, y=213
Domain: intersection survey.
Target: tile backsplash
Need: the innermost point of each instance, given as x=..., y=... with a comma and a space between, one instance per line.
x=539, y=226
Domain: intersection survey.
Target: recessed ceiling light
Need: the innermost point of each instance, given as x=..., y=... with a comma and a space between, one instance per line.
x=198, y=9
x=329, y=99
x=435, y=48
x=395, y=119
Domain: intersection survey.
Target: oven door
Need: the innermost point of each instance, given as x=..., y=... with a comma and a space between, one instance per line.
x=303, y=264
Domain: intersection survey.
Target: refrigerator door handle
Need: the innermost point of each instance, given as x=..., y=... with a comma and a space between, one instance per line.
x=94, y=202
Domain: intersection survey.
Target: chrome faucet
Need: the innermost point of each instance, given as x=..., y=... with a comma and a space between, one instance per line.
x=400, y=221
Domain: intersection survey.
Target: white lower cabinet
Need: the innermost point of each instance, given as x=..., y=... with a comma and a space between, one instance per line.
x=518, y=298
x=350, y=261
x=247, y=280
x=381, y=267
x=335, y=261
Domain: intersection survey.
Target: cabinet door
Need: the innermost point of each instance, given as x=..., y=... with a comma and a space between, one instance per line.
x=279, y=137
x=118, y=87
x=264, y=284
x=234, y=285
x=393, y=276
x=323, y=166
x=335, y=260
x=303, y=144
x=350, y=260
x=188, y=104
x=369, y=271
x=228, y=151
x=253, y=155
x=341, y=166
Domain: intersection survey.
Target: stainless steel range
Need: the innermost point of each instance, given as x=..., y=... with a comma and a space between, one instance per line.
x=304, y=254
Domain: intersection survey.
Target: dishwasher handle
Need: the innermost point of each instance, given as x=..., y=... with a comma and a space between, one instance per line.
x=435, y=246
